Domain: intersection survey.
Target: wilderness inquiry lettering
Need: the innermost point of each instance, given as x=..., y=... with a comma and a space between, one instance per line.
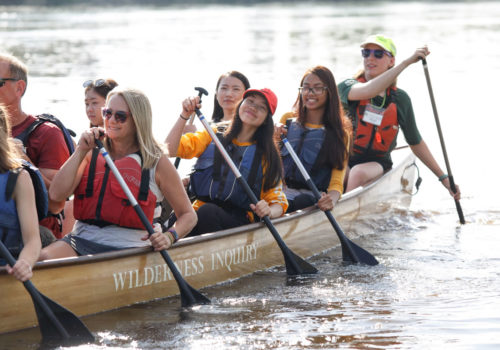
x=148, y=275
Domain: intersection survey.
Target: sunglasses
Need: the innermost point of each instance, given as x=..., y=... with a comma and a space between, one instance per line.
x=96, y=83
x=4, y=80
x=120, y=116
x=376, y=52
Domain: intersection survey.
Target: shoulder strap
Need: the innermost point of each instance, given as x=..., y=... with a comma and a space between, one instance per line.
x=42, y=118
x=257, y=160
x=11, y=183
x=41, y=195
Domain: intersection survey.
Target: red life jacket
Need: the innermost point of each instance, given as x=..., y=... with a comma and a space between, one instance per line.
x=100, y=200
x=373, y=139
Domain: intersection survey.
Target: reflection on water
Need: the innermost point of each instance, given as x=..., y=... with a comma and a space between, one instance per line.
x=438, y=283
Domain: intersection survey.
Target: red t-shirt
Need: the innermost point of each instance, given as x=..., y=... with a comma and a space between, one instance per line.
x=47, y=149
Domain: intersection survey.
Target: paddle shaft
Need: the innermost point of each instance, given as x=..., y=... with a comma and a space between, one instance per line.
x=441, y=139
x=35, y=294
x=347, y=245
x=294, y=264
x=187, y=292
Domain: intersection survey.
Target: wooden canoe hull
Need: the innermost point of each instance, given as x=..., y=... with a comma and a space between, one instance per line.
x=92, y=284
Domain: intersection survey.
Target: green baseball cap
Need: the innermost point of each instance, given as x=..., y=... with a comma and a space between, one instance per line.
x=382, y=41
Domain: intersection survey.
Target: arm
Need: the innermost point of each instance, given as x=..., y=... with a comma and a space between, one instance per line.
x=188, y=107
x=424, y=154
x=24, y=196
x=171, y=186
x=273, y=203
x=372, y=88
x=336, y=185
x=70, y=174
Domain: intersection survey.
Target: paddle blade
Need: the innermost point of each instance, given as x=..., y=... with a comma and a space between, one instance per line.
x=363, y=257
x=295, y=265
x=77, y=331
x=191, y=297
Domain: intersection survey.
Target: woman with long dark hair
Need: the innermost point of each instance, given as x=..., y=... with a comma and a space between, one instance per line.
x=221, y=202
x=319, y=133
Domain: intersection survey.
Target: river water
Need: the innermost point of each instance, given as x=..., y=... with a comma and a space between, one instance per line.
x=438, y=284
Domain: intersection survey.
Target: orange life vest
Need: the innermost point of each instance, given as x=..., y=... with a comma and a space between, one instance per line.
x=373, y=139
x=100, y=200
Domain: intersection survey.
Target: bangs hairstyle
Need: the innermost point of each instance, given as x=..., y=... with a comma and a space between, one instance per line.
x=338, y=127
x=218, y=112
x=264, y=138
x=141, y=112
x=8, y=154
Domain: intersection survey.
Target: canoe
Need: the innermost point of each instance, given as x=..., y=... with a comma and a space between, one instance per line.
x=92, y=284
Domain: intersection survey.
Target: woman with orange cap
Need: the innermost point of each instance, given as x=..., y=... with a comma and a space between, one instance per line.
x=221, y=202
x=378, y=109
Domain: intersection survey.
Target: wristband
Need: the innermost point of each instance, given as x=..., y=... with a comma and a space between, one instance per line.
x=180, y=115
x=442, y=177
x=174, y=234
x=170, y=238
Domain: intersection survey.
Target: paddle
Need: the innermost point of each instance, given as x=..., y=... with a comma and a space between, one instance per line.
x=189, y=295
x=57, y=324
x=441, y=139
x=201, y=91
x=295, y=265
x=350, y=251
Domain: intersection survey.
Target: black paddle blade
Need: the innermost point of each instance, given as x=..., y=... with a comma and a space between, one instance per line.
x=77, y=331
x=361, y=255
x=295, y=265
x=192, y=297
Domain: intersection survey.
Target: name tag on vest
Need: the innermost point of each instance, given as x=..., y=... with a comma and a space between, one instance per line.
x=373, y=115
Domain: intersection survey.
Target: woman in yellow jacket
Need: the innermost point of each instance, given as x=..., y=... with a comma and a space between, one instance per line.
x=320, y=136
x=221, y=202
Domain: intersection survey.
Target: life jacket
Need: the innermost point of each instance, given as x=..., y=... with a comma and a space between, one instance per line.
x=100, y=200
x=48, y=118
x=372, y=139
x=307, y=143
x=213, y=181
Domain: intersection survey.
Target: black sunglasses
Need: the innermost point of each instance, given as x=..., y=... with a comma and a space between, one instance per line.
x=96, y=83
x=4, y=80
x=120, y=116
x=376, y=52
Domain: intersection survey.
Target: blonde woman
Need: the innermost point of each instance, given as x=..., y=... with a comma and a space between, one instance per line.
x=105, y=220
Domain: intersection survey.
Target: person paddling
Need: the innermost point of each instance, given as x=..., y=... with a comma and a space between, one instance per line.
x=221, y=201
x=320, y=135
x=379, y=109
x=18, y=213
x=105, y=219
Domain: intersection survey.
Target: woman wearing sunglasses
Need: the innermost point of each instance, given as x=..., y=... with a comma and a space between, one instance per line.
x=96, y=92
x=320, y=136
x=105, y=219
x=378, y=109
x=221, y=202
